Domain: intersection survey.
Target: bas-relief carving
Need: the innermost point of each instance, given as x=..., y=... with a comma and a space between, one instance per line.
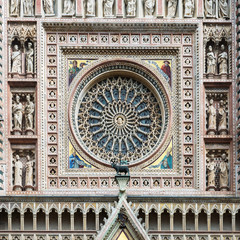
x=48, y=6
x=28, y=7
x=172, y=8
x=90, y=8
x=68, y=7
x=108, y=8
x=15, y=8
x=131, y=6
x=188, y=8
x=149, y=7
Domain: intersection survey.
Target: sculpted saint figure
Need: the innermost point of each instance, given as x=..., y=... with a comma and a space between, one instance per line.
x=210, y=10
x=29, y=58
x=211, y=61
x=211, y=167
x=16, y=60
x=108, y=8
x=28, y=6
x=149, y=6
x=18, y=171
x=29, y=111
x=172, y=8
x=188, y=8
x=211, y=111
x=131, y=8
x=48, y=6
x=223, y=180
x=90, y=8
x=222, y=60
x=17, y=110
x=222, y=125
x=68, y=7
x=15, y=7
x=223, y=8
x=29, y=172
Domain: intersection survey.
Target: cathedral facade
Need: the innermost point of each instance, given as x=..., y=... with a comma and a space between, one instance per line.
x=119, y=120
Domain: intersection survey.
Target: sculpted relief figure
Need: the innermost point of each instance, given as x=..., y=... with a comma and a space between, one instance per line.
x=222, y=116
x=149, y=6
x=211, y=167
x=172, y=8
x=223, y=9
x=211, y=111
x=17, y=110
x=131, y=8
x=29, y=172
x=16, y=60
x=28, y=7
x=15, y=7
x=108, y=8
x=211, y=61
x=222, y=61
x=223, y=178
x=90, y=8
x=210, y=8
x=68, y=7
x=18, y=171
x=29, y=58
x=29, y=112
x=188, y=8
x=48, y=7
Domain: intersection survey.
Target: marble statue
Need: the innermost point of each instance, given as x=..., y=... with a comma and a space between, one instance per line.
x=16, y=60
x=211, y=61
x=29, y=172
x=48, y=7
x=223, y=175
x=68, y=7
x=29, y=58
x=28, y=7
x=108, y=8
x=189, y=8
x=18, y=171
x=222, y=61
x=211, y=167
x=211, y=111
x=223, y=9
x=29, y=112
x=17, y=110
x=210, y=10
x=90, y=8
x=131, y=8
x=222, y=122
x=172, y=8
x=15, y=7
x=149, y=6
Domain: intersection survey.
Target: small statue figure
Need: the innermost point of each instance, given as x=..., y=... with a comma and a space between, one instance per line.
x=29, y=172
x=211, y=111
x=211, y=61
x=29, y=58
x=17, y=110
x=16, y=60
x=18, y=172
x=223, y=180
x=223, y=9
x=131, y=8
x=172, y=8
x=211, y=167
x=189, y=8
x=68, y=7
x=29, y=111
x=222, y=117
x=222, y=61
x=28, y=7
x=108, y=8
x=90, y=8
x=149, y=6
x=210, y=10
x=15, y=8
x=48, y=7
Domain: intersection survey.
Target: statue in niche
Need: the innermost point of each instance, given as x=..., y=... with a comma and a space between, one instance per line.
x=222, y=61
x=29, y=172
x=28, y=6
x=29, y=111
x=18, y=171
x=210, y=8
x=211, y=61
x=131, y=8
x=211, y=168
x=108, y=8
x=17, y=110
x=222, y=116
x=211, y=111
x=90, y=8
x=223, y=9
x=68, y=7
x=16, y=60
x=223, y=175
x=48, y=7
x=29, y=58
x=172, y=8
x=15, y=7
x=149, y=6
x=189, y=8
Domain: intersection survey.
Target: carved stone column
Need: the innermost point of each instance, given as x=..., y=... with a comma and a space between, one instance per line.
x=171, y=221
x=72, y=221
x=196, y=222
x=97, y=221
x=159, y=8
x=159, y=221
x=47, y=221
x=184, y=222
x=119, y=8
x=38, y=8
x=84, y=221
x=22, y=221
x=34, y=221
x=147, y=221
x=59, y=221
x=9, y=221
x=209, y=222
x=200, y=8
x=79, y=8
x=221, y=222
x=233, y=222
